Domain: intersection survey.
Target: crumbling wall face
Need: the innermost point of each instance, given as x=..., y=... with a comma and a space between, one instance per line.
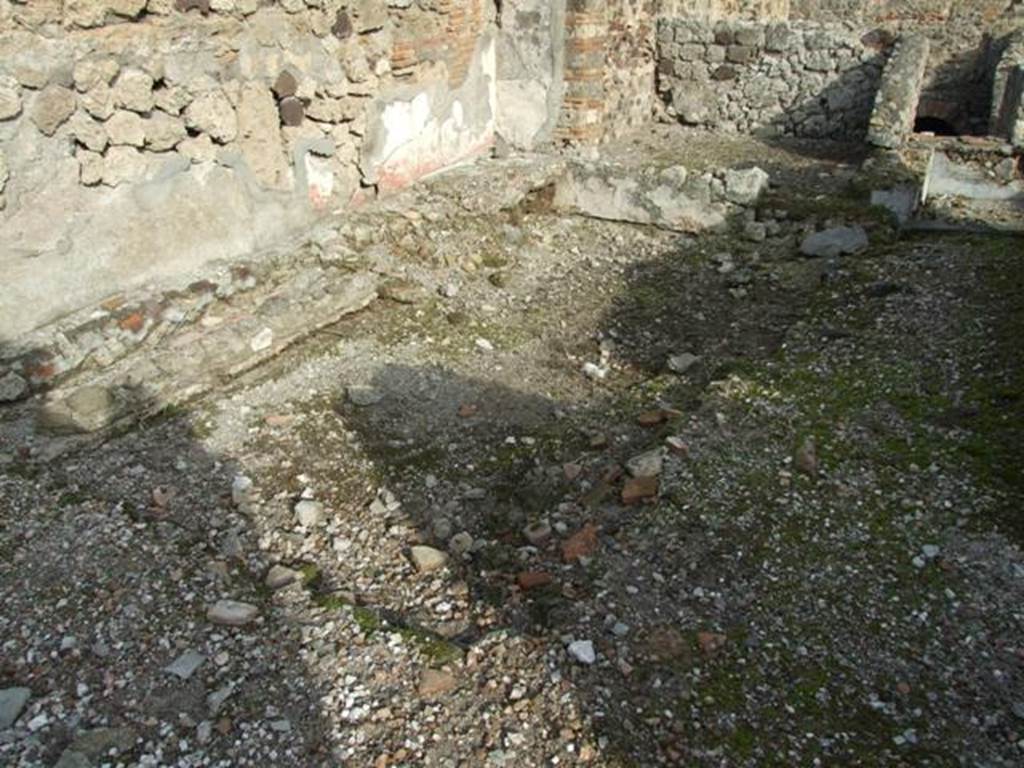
x=966, y=38
x=1006, y=86
x=142, y=138
x=629, y=66
x=802, y=78
x=583, y=107
x=892, y=120
x=609, y=68
x=715, y=10
x=531, y=65
x=1015, y=108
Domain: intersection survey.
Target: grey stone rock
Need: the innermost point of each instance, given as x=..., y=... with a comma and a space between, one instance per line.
x=10, y=98
x=90, y=72
x=427, y=559
x=185, y=665
x=309, y=513
x=460, y=543
x=134, y=90
x=262, y=341
x=213, y=114
x=583, y=651
x=163, y=131
x=52, y=107
x=364, y=396
x=69, y=758
x=215, y=700
x=892, y=119
x=259, y=136
x=647, y=464
x=623, y=194
x=87, y=409
x=90, y=167
x=242, y=490
x=683, y=362
x=745, y=186
x=232, y=613
x=123, y=165
x=12, y=702
x=538, y=533
x=96, y=743
x=88, y=132
x=755, y=231
x=98, y=101
x=12, y=386
x=125, y=128
x=280, y=576
x=835, y=242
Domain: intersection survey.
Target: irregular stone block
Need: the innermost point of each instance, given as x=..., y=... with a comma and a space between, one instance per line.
x=621, y=194
x=53, y=106
x=213, y=114
x=88, y=132
x=88, y=73
x=90, y=167
x=892, y=119
x=123, y=165
x=259, y=136
x=285, y=85
x=126, y=128
x=134, y=90
x=835, y=242
x=98, y=101
x=87, y=409
x=203, y=6
x=1007, y=84
x=10, y=98
x=163, y=132
x=744, y=187
x=292, y=111
x=12, y=702
x=232, y=613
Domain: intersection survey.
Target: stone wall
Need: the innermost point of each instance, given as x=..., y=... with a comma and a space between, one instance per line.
x=609, y=70
x=966, y=37
x=716, y=10
x=531, y=68
x=629, y=66
x=801, y=78
x=143, y=138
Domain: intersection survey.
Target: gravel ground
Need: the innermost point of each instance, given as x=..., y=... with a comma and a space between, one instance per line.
x=615, y=498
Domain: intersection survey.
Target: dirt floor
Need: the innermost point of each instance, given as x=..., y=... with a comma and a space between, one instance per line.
x=685, y=500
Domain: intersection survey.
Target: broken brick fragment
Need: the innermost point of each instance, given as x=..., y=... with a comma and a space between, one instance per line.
x=583, y=543
x=710, y=642
x=133, y=323
x=639, y=489
x=528, y=580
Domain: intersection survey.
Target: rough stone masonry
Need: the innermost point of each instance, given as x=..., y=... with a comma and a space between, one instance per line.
x=141, y=140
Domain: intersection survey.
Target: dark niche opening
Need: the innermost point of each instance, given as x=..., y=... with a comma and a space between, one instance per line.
x=935, y=125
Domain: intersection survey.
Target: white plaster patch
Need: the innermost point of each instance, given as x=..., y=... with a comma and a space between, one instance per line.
x=404, y=122
x=320, y=180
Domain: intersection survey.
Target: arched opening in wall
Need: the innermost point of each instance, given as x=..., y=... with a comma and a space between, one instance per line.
x=934, y=125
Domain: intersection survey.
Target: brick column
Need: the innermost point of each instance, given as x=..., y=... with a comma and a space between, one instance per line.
x=583, y=106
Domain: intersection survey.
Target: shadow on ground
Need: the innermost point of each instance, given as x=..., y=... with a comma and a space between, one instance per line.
x=111, y=555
